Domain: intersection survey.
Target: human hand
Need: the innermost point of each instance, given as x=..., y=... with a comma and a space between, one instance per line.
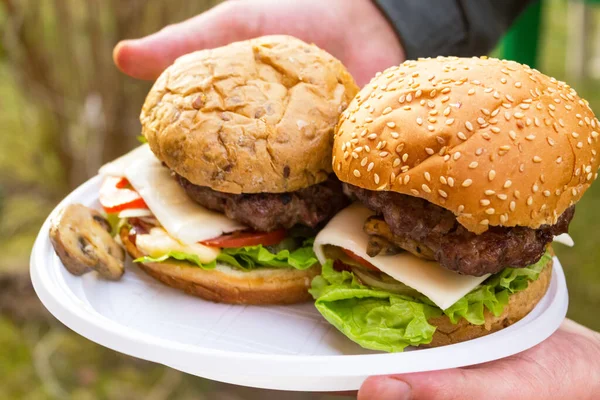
x=565, y=366
x=354, y=31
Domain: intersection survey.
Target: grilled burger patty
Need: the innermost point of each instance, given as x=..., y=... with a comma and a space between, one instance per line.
x=266, y=212
x=433, y=232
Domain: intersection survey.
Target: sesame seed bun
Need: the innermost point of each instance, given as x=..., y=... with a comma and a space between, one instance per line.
x=519, y=305
x=495, y=142
x=250, y=117
x=225, y=284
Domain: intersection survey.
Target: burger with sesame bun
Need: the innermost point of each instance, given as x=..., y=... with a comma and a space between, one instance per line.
x=463, y=170
x=236, y=174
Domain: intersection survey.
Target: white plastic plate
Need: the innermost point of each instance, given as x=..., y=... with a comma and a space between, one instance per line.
x=279, y=347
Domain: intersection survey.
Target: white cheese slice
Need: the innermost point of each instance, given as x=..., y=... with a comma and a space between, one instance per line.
x=119, y=166
x=442, y=286
x=158, y=242
x=135, y=212
x=182, y=218
x=564, y=238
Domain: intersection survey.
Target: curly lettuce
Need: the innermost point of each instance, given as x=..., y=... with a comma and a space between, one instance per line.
x=379, y=320
x=249, y=258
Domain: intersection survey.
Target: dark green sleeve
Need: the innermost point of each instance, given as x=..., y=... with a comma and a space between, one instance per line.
x=429, y=28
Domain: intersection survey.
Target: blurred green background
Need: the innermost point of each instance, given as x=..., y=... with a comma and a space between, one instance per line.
x=65, y=109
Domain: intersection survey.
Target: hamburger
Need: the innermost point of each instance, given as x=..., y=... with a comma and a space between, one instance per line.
x=226, y=196
x=462, y=170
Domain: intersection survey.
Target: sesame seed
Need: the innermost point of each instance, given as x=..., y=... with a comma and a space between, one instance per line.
x=594, y=134
x=490, y=211
x=402, y=99
x=370, y=167
x=538, y=159
x=368, y=119
x=518, y=84
x=383, y=154
x=488, y=90
x=512, y=135
x=461, y=136
x=367, y=149
x=433, y=120
x=530, y=137
x=502, y=196
x=529, y=200
x=589, y=176
x=364, y=133
x=574, y=192
x=446, y=111
x=484, y=222
x=387, y=110
x=425, y=188
x=346, y=154
x=396, y=162
x=484, y=202
x=461, y=208
x=456, y=155
x=547, y=193
x=443, y=180
x=491, y=175
x=467, y=183
x=406, y=179
x=505, y=147
x=512, y=206
x=469, y=126
x=427, y=176
x=489, y=192
x=391, y=124
x=449, y=121
x=414, y=191
x=450, y=181
x=418, y=93
x=395, y=135
x=507, y=115
x=480, y=121
x=479, y=151
x=372, y=136
x=519, y=115
x=495, y=129
x=442, y=193
x=356, y=173
x=471, y=91
x=404, y=157
x=473, y=164
x=430, y=104
x=404, y=168
x=429, y=151
x=376, y=179
x=354, y=155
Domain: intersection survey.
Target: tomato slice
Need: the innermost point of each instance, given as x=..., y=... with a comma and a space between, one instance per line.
x=360, y=260
x=116, y=196
x=245, y=238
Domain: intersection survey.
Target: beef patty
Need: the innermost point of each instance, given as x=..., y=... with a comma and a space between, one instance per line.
x=266, y=212
x=438, y=233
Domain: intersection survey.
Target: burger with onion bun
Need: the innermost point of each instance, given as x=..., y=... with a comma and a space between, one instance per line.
x=237, y=172
x=463, y=172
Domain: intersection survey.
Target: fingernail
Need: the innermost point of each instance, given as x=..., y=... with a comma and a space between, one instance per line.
x=391, y=389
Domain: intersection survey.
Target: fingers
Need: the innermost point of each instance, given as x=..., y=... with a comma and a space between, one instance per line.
x=563, y=366
x=147, y=57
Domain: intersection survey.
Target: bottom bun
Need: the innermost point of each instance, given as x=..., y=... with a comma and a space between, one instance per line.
x=225, y=284
x=519, y=305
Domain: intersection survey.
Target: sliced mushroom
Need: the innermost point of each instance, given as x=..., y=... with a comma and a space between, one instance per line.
x=377, y=227
x=381, y=246
x=81, y=238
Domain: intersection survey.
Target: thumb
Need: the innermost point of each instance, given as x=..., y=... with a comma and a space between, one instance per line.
x=566, y=365
x=147, y=57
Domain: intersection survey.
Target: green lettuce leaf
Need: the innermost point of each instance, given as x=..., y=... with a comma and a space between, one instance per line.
x=373, y=318
x=379, y=320
x=494, y=292
x=249, y=258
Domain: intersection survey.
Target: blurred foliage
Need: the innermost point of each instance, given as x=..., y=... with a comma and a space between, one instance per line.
x=64, y=110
